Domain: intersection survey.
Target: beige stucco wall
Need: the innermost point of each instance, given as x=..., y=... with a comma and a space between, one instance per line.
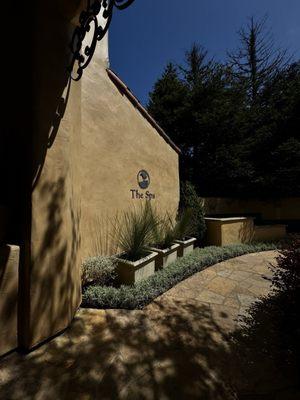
x=225, y=231
x=280, y=209
x=88, y=145
x=118, y=142
x=269, y=232
x=9, y=276
x=49, y=288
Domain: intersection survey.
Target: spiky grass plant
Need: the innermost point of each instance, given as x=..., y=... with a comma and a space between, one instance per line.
x=183, y=227
x=135, y=231
x=164, y=232
x=102, y=233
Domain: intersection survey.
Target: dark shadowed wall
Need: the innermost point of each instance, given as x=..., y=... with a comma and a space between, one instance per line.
x=88, y=144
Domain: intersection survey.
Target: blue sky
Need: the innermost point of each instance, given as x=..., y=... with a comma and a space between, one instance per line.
x=150, y=33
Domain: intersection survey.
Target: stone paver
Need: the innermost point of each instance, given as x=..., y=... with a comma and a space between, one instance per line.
x=176, y=348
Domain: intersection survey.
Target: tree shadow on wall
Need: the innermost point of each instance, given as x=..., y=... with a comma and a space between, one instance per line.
x=50, y=289
x=54, y=289
x=42, y=202
x=36, y=85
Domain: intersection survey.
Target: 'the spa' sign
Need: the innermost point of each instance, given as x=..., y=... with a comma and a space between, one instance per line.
x=143, y=180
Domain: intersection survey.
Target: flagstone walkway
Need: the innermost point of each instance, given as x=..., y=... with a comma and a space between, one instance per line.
x=176, y=348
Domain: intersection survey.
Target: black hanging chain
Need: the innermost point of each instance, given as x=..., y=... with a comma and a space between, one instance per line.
x=82, y=55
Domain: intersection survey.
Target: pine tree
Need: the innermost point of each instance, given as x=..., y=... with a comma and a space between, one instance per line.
x=257, y=60
x=237, y=124
x=167, y=101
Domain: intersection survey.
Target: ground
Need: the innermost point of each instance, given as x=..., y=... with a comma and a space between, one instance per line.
x=178, y=347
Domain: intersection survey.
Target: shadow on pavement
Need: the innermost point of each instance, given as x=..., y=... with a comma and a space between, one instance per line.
x=171, y=350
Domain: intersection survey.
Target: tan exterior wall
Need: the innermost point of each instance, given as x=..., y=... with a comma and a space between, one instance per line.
x=225, y=231
x=281, y=209
x=269, y=233
x=50, y=285
x=118, y=142
x=89, y=143
x=9, y=274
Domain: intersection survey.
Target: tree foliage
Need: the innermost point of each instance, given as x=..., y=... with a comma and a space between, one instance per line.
x=237, y=122
x=189, y=200
x=256, y=61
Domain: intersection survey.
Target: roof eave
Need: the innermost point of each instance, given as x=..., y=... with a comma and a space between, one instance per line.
x=124, y=89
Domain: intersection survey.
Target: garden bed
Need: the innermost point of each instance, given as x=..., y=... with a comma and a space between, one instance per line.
x=142, y=293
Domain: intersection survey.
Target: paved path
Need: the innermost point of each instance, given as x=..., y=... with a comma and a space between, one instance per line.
x=176, y=348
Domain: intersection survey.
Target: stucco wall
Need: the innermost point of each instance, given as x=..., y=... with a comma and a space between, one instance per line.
x=225, y=231
x=49, y=286
x=9, y=274
x=281, y=209
x=89, y=143
x=118, y=142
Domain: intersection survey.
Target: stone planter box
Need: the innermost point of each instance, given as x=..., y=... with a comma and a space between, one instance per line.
x=130, y=272
x=185, y=246
x=165, y=256
x=225, y=231
x=229, y=230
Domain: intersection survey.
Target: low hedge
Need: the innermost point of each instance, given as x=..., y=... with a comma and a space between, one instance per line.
x=142, y=293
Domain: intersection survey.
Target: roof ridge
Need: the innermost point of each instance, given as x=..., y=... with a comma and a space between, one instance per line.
x=134, y=100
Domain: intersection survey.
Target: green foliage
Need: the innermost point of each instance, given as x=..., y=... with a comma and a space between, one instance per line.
x=256, y=61
x=189, y=200
x=100, y=270
x=164, y=232
x=135, y=231
x=184, y=224
x=136, y=297
x=238, y=130
x=167, y=102
x=287, y=271
x=167, y=230
x=286, y=282
x=272, y=324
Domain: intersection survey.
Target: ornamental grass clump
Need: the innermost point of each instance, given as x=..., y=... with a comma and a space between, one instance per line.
x=135, y=231
x=164, y=232
x=167, y=231
x=183, y=228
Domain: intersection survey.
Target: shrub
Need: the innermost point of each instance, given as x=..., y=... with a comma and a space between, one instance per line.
x=135, y=231
x=189, y=199
x=184, y=227
x=270, y=332
x=286, y=283
x=100, y=270
x=136, y=297
x=287, y=273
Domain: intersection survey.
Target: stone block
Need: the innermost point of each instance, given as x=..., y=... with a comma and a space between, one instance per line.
x=130, y=272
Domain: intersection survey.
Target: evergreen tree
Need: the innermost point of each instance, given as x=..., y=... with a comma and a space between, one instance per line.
x=167, y=102
x=237, y=124
x=256, y=61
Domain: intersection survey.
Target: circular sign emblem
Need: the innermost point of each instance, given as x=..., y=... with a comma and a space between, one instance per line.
x=143, y=179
